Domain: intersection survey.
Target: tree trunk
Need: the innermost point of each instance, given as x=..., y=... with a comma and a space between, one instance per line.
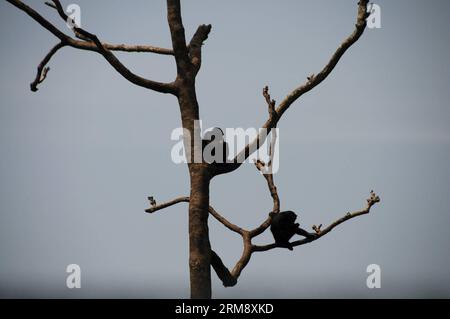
x=199, y=245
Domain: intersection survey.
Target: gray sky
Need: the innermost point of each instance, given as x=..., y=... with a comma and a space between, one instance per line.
x=80, y=156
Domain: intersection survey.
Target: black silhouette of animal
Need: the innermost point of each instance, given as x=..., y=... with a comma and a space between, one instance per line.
x=284, y=227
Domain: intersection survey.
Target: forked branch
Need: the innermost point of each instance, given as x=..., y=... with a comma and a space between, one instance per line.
x=94, y=44
x=187, y=57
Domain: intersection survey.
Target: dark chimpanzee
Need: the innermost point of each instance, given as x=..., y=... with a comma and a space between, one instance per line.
x=283, y=227
x=214, y=147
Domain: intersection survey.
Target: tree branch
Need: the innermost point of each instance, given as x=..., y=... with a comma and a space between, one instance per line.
x=195, y=46
x=185, y=199
x=39, y=19
x=312, y=81
x=155, y=207
x=125, y=72
x=227, y=278
x=178, y=36
x=225, y=222
x=276, y=200
x=42, y=70
x=245, y=257
x=90, y=46
x=271, y=104
x=230, y=279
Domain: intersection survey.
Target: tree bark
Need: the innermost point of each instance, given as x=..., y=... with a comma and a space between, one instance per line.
x=199, y=245
x=200, y=177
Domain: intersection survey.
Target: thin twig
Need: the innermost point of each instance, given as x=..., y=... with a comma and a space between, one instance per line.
x=42, y=70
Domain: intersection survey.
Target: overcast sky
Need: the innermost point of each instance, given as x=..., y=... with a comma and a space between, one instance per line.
x=80, y=156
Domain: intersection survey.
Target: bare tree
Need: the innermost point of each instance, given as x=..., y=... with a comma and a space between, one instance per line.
x=188, y=58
